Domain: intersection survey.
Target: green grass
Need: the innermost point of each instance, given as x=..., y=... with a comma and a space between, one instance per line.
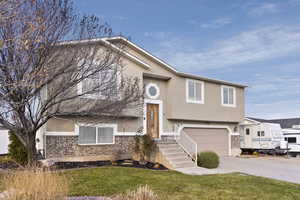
x=108, y=181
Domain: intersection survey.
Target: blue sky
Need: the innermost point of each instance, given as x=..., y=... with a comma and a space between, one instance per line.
x=254, y=42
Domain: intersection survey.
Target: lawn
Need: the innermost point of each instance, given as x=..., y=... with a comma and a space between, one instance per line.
x=108, y=181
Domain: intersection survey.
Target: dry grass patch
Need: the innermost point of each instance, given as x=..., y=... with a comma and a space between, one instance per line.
x=35, y=184
x=141, y=193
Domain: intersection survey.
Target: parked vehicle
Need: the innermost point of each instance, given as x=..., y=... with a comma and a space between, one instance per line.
x=292, y=136
x=262, y=137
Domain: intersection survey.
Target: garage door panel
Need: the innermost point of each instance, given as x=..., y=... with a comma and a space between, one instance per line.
x=210, y=139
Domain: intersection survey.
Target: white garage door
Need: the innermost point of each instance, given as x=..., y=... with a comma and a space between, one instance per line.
x=209, y=139
x=4, y=141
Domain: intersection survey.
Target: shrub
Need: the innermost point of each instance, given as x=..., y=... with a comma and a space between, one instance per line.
x=35, y=184
x=16, y=150
x=144, y=146
x=141, y=193
x=208, y=159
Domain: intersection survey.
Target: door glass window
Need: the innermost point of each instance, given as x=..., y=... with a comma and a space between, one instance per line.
x=247, y=131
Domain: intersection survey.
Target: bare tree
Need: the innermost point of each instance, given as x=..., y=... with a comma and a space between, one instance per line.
x=42, y=77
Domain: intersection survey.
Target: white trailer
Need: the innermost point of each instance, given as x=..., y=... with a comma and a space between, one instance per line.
x=292, y=136
x=262, y=137
x=4, y=141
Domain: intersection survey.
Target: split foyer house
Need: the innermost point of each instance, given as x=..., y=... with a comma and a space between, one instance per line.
x=196, y=112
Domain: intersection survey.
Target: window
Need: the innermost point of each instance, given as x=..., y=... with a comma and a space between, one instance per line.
x=194, y=91
x=291, y=140
x=152, y=91
x=262, y=133
x=247, y=131
x=92, y=135
x=228, y=96
x=258, y=133
x=105, y=83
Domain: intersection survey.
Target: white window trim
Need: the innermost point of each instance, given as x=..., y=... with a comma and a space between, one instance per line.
x=187, y=91
x=114, y=126
x=95, y=96
x=222, y=96
x=148, y=93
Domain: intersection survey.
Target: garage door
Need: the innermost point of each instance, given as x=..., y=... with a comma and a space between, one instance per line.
x=210, y=139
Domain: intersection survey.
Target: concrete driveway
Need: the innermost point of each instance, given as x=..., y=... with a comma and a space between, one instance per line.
x=277, y=168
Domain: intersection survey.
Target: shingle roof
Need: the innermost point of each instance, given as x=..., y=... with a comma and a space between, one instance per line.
x=284, y=123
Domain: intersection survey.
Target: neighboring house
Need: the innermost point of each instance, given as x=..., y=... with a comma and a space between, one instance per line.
x=4, y=141
x=190, y=108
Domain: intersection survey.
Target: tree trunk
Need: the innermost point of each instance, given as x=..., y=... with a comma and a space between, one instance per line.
x=31, y=150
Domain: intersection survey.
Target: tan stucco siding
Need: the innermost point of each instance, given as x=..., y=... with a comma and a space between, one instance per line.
x=211, y=110
x=163, y=87
x=68, y=125
x=60, y=125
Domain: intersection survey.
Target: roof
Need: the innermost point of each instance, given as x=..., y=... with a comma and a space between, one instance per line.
x=284, y=123
x=171, y=68
x=160, y=61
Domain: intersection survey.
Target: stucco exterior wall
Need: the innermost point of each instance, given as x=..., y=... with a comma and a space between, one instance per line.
x=68, y=124
x=175, y=96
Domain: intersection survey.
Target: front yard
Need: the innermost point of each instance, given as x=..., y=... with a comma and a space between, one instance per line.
x=108, y=181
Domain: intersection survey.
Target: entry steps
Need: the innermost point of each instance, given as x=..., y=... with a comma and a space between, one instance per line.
x=175, y=155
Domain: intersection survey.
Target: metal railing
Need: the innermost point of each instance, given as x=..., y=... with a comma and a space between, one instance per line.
x=188, y=145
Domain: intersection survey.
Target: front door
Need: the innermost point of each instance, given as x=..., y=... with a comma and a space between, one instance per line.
x=153, y=120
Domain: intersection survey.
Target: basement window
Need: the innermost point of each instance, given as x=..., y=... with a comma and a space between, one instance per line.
x=96, y=135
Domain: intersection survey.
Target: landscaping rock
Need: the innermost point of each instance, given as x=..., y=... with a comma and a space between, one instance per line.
x=48, y=163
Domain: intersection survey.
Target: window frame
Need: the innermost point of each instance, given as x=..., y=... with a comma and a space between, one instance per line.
x=98, y=96
x=222, y=96
x=291, y=138
x=113, y=126
x=247, y=131
x=149, y=85
x=187, y=91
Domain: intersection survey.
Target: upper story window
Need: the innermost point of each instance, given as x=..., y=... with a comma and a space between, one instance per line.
x=152, y=91
x=228, y=96
x=194, y=91
x=101, y=85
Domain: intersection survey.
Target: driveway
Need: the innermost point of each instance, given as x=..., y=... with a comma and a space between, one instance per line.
x=277, y=168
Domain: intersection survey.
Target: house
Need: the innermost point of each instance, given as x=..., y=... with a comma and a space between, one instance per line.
x=198, y=113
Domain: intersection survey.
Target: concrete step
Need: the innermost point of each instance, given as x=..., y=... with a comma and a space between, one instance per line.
x=184, y=164
x=172, y=151
x=179, y=159
x=167, y=145
x=175, y=155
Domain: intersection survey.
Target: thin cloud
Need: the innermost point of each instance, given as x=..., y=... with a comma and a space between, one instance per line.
x=247, y=47
x=214, y=24
x=265, y=8
x=160, y=35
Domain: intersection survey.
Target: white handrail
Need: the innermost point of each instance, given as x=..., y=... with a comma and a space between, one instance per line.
x=188, y=145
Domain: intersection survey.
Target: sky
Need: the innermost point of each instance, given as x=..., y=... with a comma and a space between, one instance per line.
x=252, y=42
